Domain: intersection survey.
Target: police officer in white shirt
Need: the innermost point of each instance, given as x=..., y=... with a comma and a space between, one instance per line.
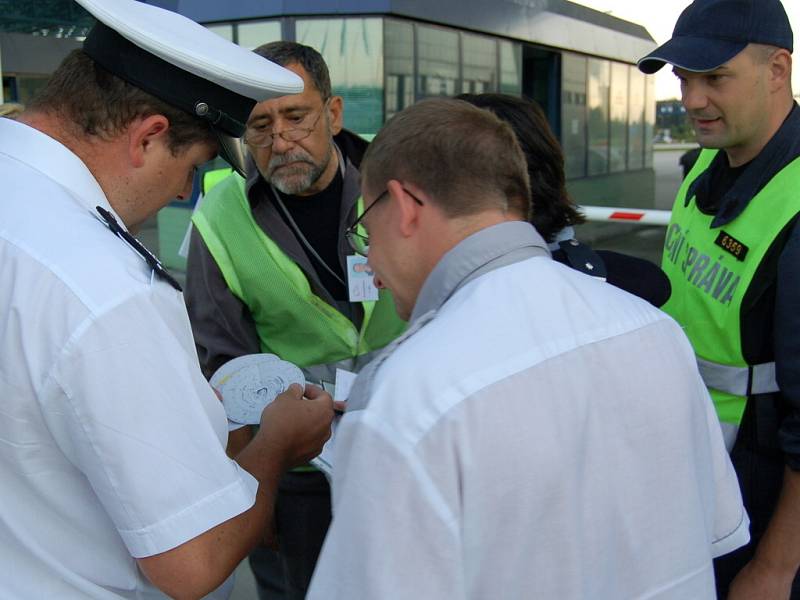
x=115, y=479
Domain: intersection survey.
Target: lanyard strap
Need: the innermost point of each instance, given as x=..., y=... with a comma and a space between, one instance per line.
x=148, y=256
x=296, y=229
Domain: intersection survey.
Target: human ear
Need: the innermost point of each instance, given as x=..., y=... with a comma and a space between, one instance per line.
x=408, y=209
x=780, y=69
x=335, y=114
x=143, y=133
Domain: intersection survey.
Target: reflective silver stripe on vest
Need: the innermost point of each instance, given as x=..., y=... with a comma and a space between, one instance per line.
x=324, y=374
x=729, y=433
x=739, y=381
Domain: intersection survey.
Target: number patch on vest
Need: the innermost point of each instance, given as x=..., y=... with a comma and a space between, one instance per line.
x=731, y=245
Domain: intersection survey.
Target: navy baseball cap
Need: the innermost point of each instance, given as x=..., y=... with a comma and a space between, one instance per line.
x=709, y=33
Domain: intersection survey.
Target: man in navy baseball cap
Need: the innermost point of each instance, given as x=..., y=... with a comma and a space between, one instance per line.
x=731, y=253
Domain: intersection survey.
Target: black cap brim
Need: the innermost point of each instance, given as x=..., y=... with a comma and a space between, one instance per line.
x=231, y=150
x=226, y=111
x=691, y=53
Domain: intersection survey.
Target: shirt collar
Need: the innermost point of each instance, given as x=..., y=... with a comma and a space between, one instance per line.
x=566, y=234
x=782, y=149
x=491, y=248
x=53, y=160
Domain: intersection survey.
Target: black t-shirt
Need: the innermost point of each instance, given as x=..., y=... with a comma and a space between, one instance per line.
x=317, y=217
x=722, y=179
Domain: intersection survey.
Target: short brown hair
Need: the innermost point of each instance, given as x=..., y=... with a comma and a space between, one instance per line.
x=286, y=53
x=464, y=157
x=97, y=103
x=761, y=53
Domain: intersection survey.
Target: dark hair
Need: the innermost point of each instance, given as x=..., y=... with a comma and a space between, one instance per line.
x=465, y=158
x=287, y=53
x=552, y=208
x=95, y=102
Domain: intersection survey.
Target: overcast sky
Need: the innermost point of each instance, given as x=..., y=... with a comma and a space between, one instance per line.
x=659, y=17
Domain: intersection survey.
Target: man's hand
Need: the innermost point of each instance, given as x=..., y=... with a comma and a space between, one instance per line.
x=293, y=430
x=771, y=572
x=295, y=427
x=758, y=582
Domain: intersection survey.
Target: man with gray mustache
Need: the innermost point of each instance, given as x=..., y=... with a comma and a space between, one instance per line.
x=267, y=273
x=295, y=172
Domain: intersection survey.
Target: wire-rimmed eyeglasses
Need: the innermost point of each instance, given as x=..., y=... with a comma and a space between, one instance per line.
x=357, y=236
x=265, y=138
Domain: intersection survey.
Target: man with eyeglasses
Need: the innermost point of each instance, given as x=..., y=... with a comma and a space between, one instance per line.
x=535, y=433
x=267, y=272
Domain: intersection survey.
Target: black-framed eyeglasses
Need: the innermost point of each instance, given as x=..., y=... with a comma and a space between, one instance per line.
x=265, y=139
x=359, y=240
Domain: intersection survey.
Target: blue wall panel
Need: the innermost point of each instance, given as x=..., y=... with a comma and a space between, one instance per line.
x=501, y=17
x=214, y=10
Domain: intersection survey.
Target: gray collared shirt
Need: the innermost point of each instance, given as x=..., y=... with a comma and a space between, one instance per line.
x=488, y=249
x=484, y=251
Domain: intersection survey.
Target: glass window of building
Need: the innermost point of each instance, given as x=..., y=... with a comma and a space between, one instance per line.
x=636, y=119
x=25, y=87
x=9, y=89
x=252, y=35
x=398, y=63
x=599, y=80
x=618, y=145
x=510, y=68
x=573, y=114
x=437, y=55
x=649, y=120
x=224, y=30
x=478, y=64
x=353, y=49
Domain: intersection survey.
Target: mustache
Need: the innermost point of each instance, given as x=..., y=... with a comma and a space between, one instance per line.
x=279, y=160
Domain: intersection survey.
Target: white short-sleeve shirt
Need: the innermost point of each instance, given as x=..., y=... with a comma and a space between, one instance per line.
x=543, y=435
x=111, y=441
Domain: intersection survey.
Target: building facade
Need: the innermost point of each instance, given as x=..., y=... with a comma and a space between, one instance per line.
x=577, y=63
x=384, y=55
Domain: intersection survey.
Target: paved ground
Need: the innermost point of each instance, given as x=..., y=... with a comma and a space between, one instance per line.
x=245, y=588
x=668, y=176
x=640, y=240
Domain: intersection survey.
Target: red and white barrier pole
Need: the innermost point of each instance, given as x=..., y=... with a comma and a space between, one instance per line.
x=641, y=216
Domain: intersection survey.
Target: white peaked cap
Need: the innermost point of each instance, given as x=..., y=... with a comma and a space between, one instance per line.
x=185, y=65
